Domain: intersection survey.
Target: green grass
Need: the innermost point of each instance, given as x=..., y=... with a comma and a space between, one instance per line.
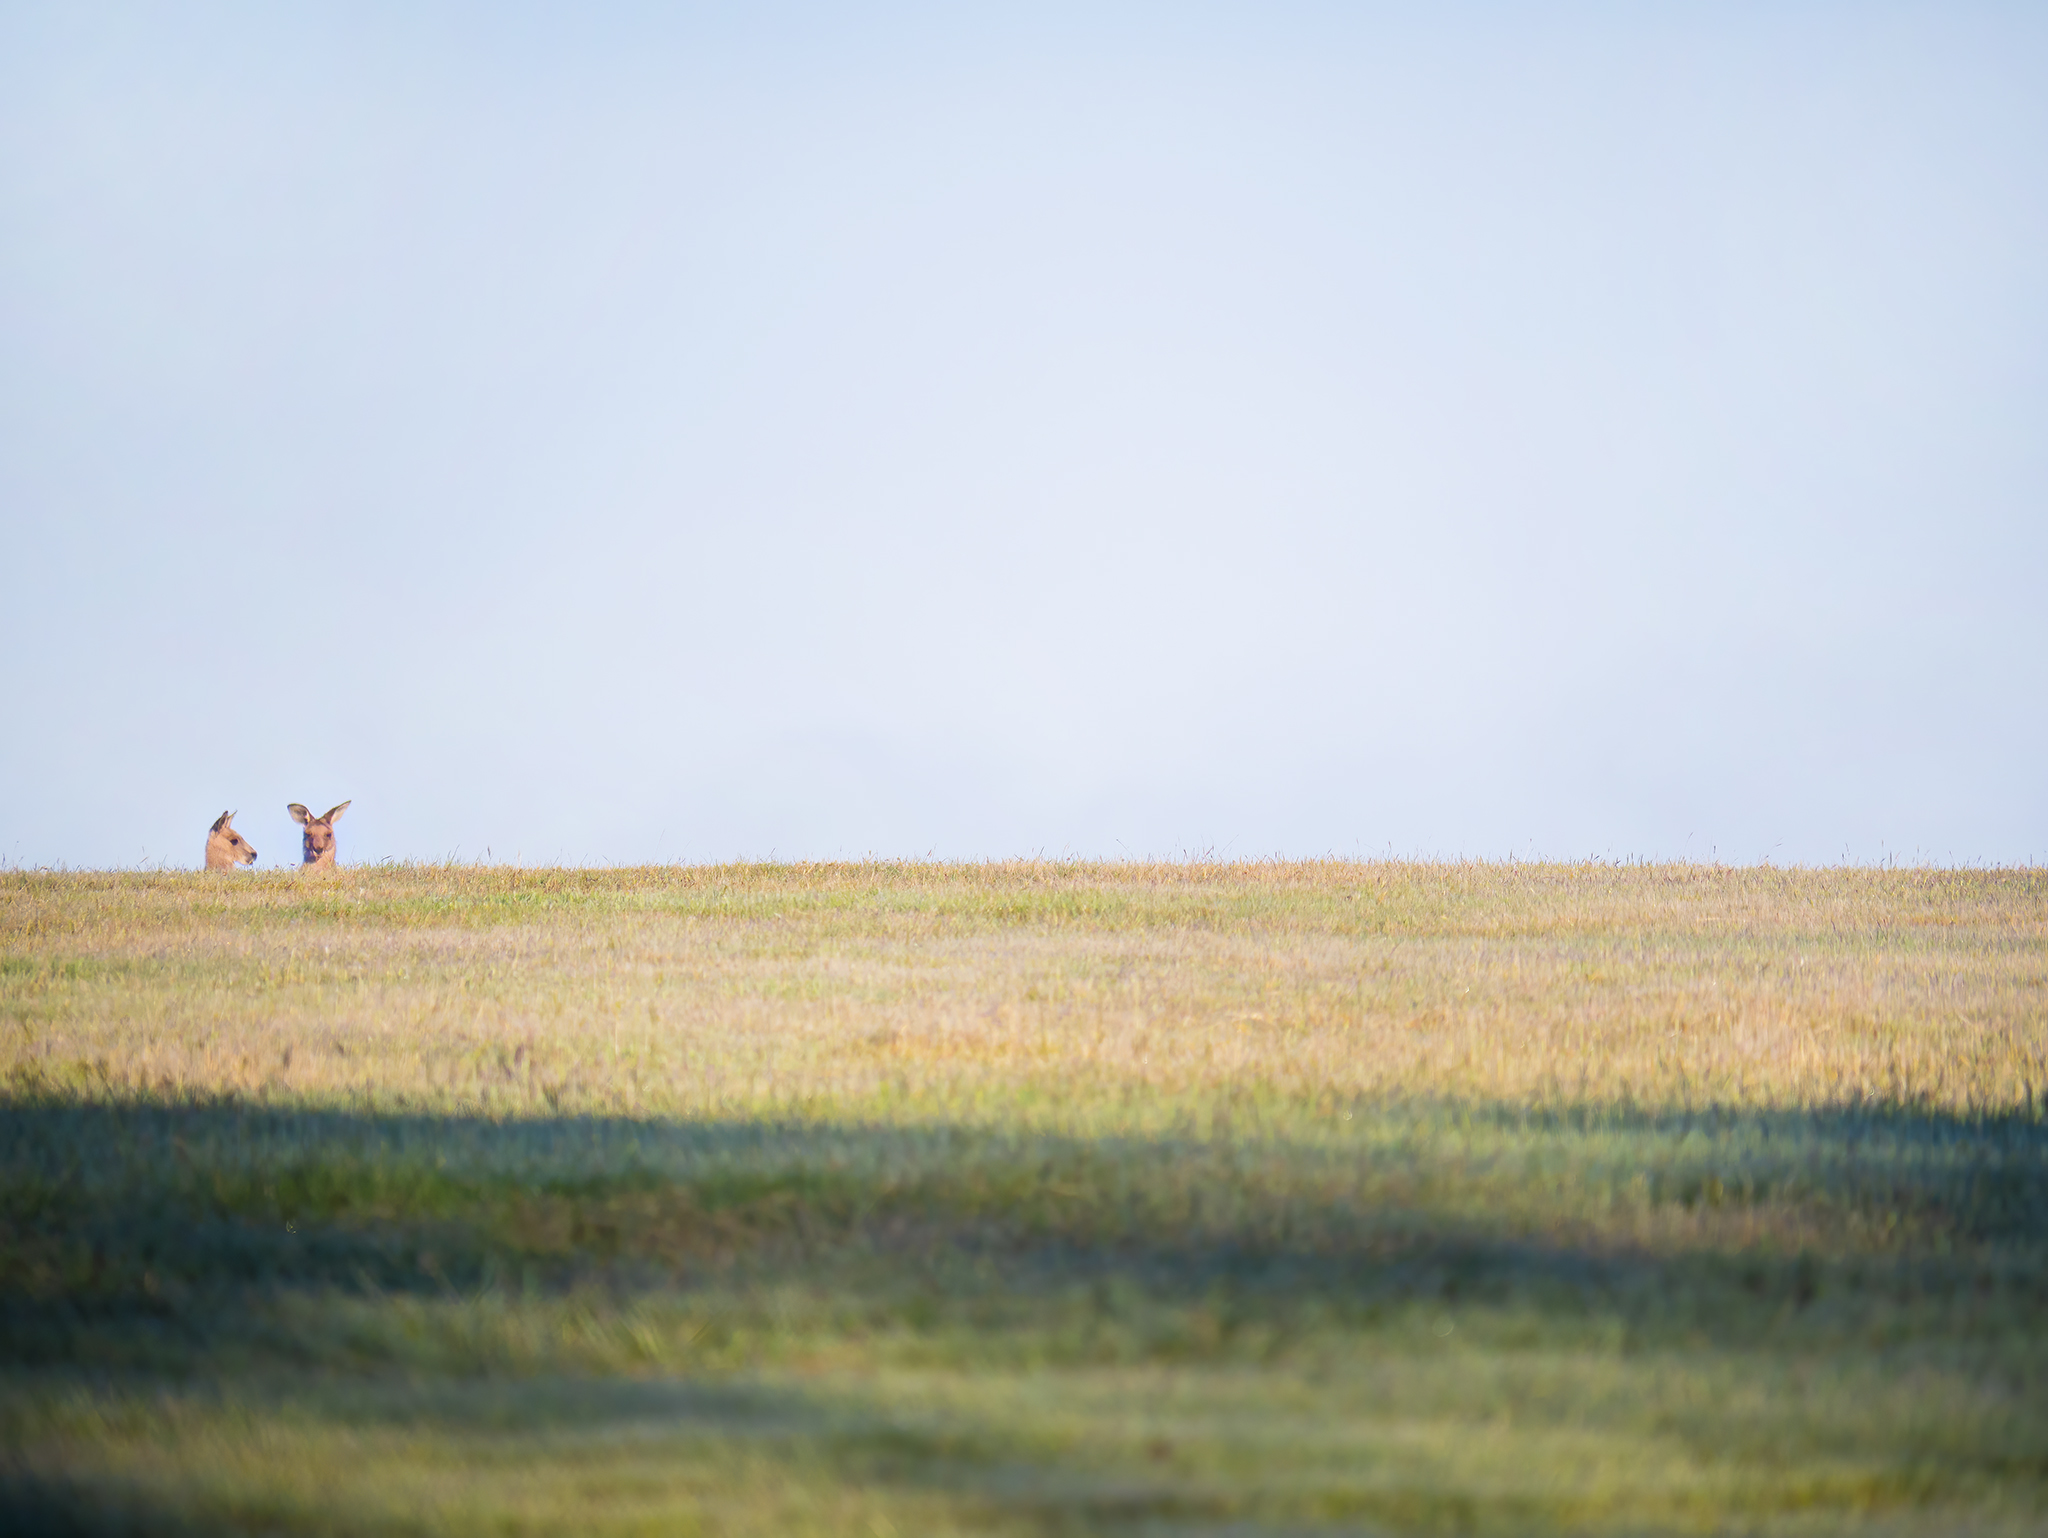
x=1025, y=1199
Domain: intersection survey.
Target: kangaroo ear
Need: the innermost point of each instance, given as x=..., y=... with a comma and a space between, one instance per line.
x=221, y=822
x=335, y=811
x=299, y=813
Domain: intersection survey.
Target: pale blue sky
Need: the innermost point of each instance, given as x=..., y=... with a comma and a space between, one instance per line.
x=620, y=433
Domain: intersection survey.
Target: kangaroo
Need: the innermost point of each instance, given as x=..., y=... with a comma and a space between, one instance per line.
x=225, y=848
x=319, y=833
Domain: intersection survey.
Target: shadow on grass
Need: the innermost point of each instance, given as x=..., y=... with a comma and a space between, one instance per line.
x=180, y=1223
x=520, y=1274
x=601, y=1416
x=41, y=1506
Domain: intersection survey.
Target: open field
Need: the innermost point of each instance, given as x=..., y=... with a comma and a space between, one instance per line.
x=1031, y=1198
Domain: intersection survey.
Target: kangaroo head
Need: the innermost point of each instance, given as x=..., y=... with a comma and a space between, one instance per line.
x=225, y=848
x=319, y=832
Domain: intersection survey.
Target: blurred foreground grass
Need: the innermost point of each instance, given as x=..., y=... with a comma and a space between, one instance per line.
x=1025, y=1198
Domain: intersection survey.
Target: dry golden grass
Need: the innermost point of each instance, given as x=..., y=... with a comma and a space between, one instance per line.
x=679, y=991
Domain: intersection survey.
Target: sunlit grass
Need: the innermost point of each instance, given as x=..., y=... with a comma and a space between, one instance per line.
x=1027, y=1197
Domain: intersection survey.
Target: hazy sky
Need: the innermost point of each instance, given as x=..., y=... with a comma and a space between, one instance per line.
x=626, y=433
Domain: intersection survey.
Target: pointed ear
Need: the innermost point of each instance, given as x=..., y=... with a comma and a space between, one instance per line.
x=221, y=822
x=335, y=811
x=299, y=813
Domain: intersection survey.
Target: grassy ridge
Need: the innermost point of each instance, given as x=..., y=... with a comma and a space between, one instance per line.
x=1025, y=1198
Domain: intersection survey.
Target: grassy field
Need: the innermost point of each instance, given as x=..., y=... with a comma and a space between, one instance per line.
x=1029, y=1198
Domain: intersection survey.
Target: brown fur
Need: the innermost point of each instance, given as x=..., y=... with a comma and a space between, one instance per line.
x=319, y=832
x=225, y=848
